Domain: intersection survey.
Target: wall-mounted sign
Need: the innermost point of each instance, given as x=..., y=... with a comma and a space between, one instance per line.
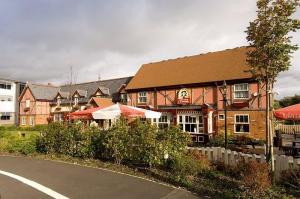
x=183, y=96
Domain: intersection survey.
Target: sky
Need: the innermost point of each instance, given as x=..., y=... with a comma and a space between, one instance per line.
x=40, y=40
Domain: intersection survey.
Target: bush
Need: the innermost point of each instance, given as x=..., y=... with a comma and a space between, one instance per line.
x=290, y=180
x=117, y=141
x=187, y=165
x=256, y=179
x=145, y=148
x=16, y=143
x=54, y=139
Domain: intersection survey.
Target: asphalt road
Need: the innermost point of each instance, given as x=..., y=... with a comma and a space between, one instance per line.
x=73, y=181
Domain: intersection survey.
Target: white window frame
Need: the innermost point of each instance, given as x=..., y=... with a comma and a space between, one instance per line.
x=27, y=103
x=23, y=120
x=199, y=129
x=223, y=115
x=76, y=99
x=235, y=123
x=142, y=95
x=31, y=121
x=158, y=121
x=236, y=91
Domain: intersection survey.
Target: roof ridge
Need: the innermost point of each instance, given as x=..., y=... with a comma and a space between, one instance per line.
x=96, y=81
x=201, y=54
x=45, y=85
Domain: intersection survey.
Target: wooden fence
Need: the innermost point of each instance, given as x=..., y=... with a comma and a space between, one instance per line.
x=288, y=129
x=232, y=158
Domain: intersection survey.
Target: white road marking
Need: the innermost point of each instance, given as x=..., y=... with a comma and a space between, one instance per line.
x=35, y=185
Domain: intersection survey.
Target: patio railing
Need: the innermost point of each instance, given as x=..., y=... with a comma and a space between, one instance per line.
x=288, y=129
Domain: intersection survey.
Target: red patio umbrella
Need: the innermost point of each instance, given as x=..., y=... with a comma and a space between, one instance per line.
x=85, y=114
x=288, y=113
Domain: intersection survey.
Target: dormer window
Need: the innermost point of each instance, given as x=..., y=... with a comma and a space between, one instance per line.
x=241, y=91
x=58, y=100
x=76, y=100
x=27, y=103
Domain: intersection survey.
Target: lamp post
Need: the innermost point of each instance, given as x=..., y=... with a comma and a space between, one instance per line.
x=223, y=90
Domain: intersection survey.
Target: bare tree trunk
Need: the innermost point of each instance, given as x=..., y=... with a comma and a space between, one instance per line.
x=267, y=114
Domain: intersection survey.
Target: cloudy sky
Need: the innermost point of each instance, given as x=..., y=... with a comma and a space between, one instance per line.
x=41, y=39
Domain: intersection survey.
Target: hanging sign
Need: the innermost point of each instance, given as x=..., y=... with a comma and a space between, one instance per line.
x=183, y=97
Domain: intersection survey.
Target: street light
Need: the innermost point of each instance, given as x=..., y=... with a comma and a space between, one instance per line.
x=223, y=90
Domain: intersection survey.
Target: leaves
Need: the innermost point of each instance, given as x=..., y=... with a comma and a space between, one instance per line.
x=269, y=39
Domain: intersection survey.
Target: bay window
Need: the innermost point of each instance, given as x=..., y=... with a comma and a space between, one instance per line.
x=192, y=123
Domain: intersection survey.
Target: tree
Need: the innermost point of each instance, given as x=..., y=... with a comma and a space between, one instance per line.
x=270, y=50
x=288, y=101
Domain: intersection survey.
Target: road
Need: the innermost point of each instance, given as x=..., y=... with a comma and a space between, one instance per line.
x=22, y=177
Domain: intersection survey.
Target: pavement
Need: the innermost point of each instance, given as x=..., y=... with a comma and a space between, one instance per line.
x=23, y=177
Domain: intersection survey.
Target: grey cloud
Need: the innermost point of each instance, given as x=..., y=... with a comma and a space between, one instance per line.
x=41, y=39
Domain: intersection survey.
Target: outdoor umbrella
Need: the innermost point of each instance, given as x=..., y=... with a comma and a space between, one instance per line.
x=117, y=110
x=288, y=113
x=85, y=114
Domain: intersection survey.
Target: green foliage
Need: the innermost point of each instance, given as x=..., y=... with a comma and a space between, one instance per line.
x=117, y=141
x=54, y=139
x=269, y=36
x=288, y=101
x=187, y=165
x=17, y=128
x=16, y=143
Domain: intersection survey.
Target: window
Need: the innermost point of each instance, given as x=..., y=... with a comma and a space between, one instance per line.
x=31, y=121
x=5, y=98
x=76, y=100
x=5, y=116
x=27, y=103
x=241, y=91
x=23, y=120
x=191, y=123
x=5, y=85
x=124, y=98
x=241, y=123
x=58, y=117
x=58, y=101
x=164, y=121
x=221, y=116
x=142, y=97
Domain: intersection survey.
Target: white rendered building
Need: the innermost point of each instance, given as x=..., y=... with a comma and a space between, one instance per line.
x=9, y=101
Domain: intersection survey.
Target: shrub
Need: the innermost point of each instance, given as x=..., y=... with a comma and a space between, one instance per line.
x=256, y=179
x=290, y=180
x=172, y=141
x=145, y=148
x=117, y=141
x=15, y=143
x=186, y=165
x=54, y=139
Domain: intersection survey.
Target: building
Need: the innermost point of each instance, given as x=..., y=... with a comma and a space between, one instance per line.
x=188, y=91
x=75, y=97
x=40, y=104
x=9, y=104
x=35, y=104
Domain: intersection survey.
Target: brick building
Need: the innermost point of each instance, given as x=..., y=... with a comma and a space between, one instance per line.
x=188, y=92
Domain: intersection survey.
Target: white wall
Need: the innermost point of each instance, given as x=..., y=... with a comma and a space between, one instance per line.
x=8, y=106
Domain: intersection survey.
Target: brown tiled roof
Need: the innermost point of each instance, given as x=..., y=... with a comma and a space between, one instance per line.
x=102, y=102
x=210, y=67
